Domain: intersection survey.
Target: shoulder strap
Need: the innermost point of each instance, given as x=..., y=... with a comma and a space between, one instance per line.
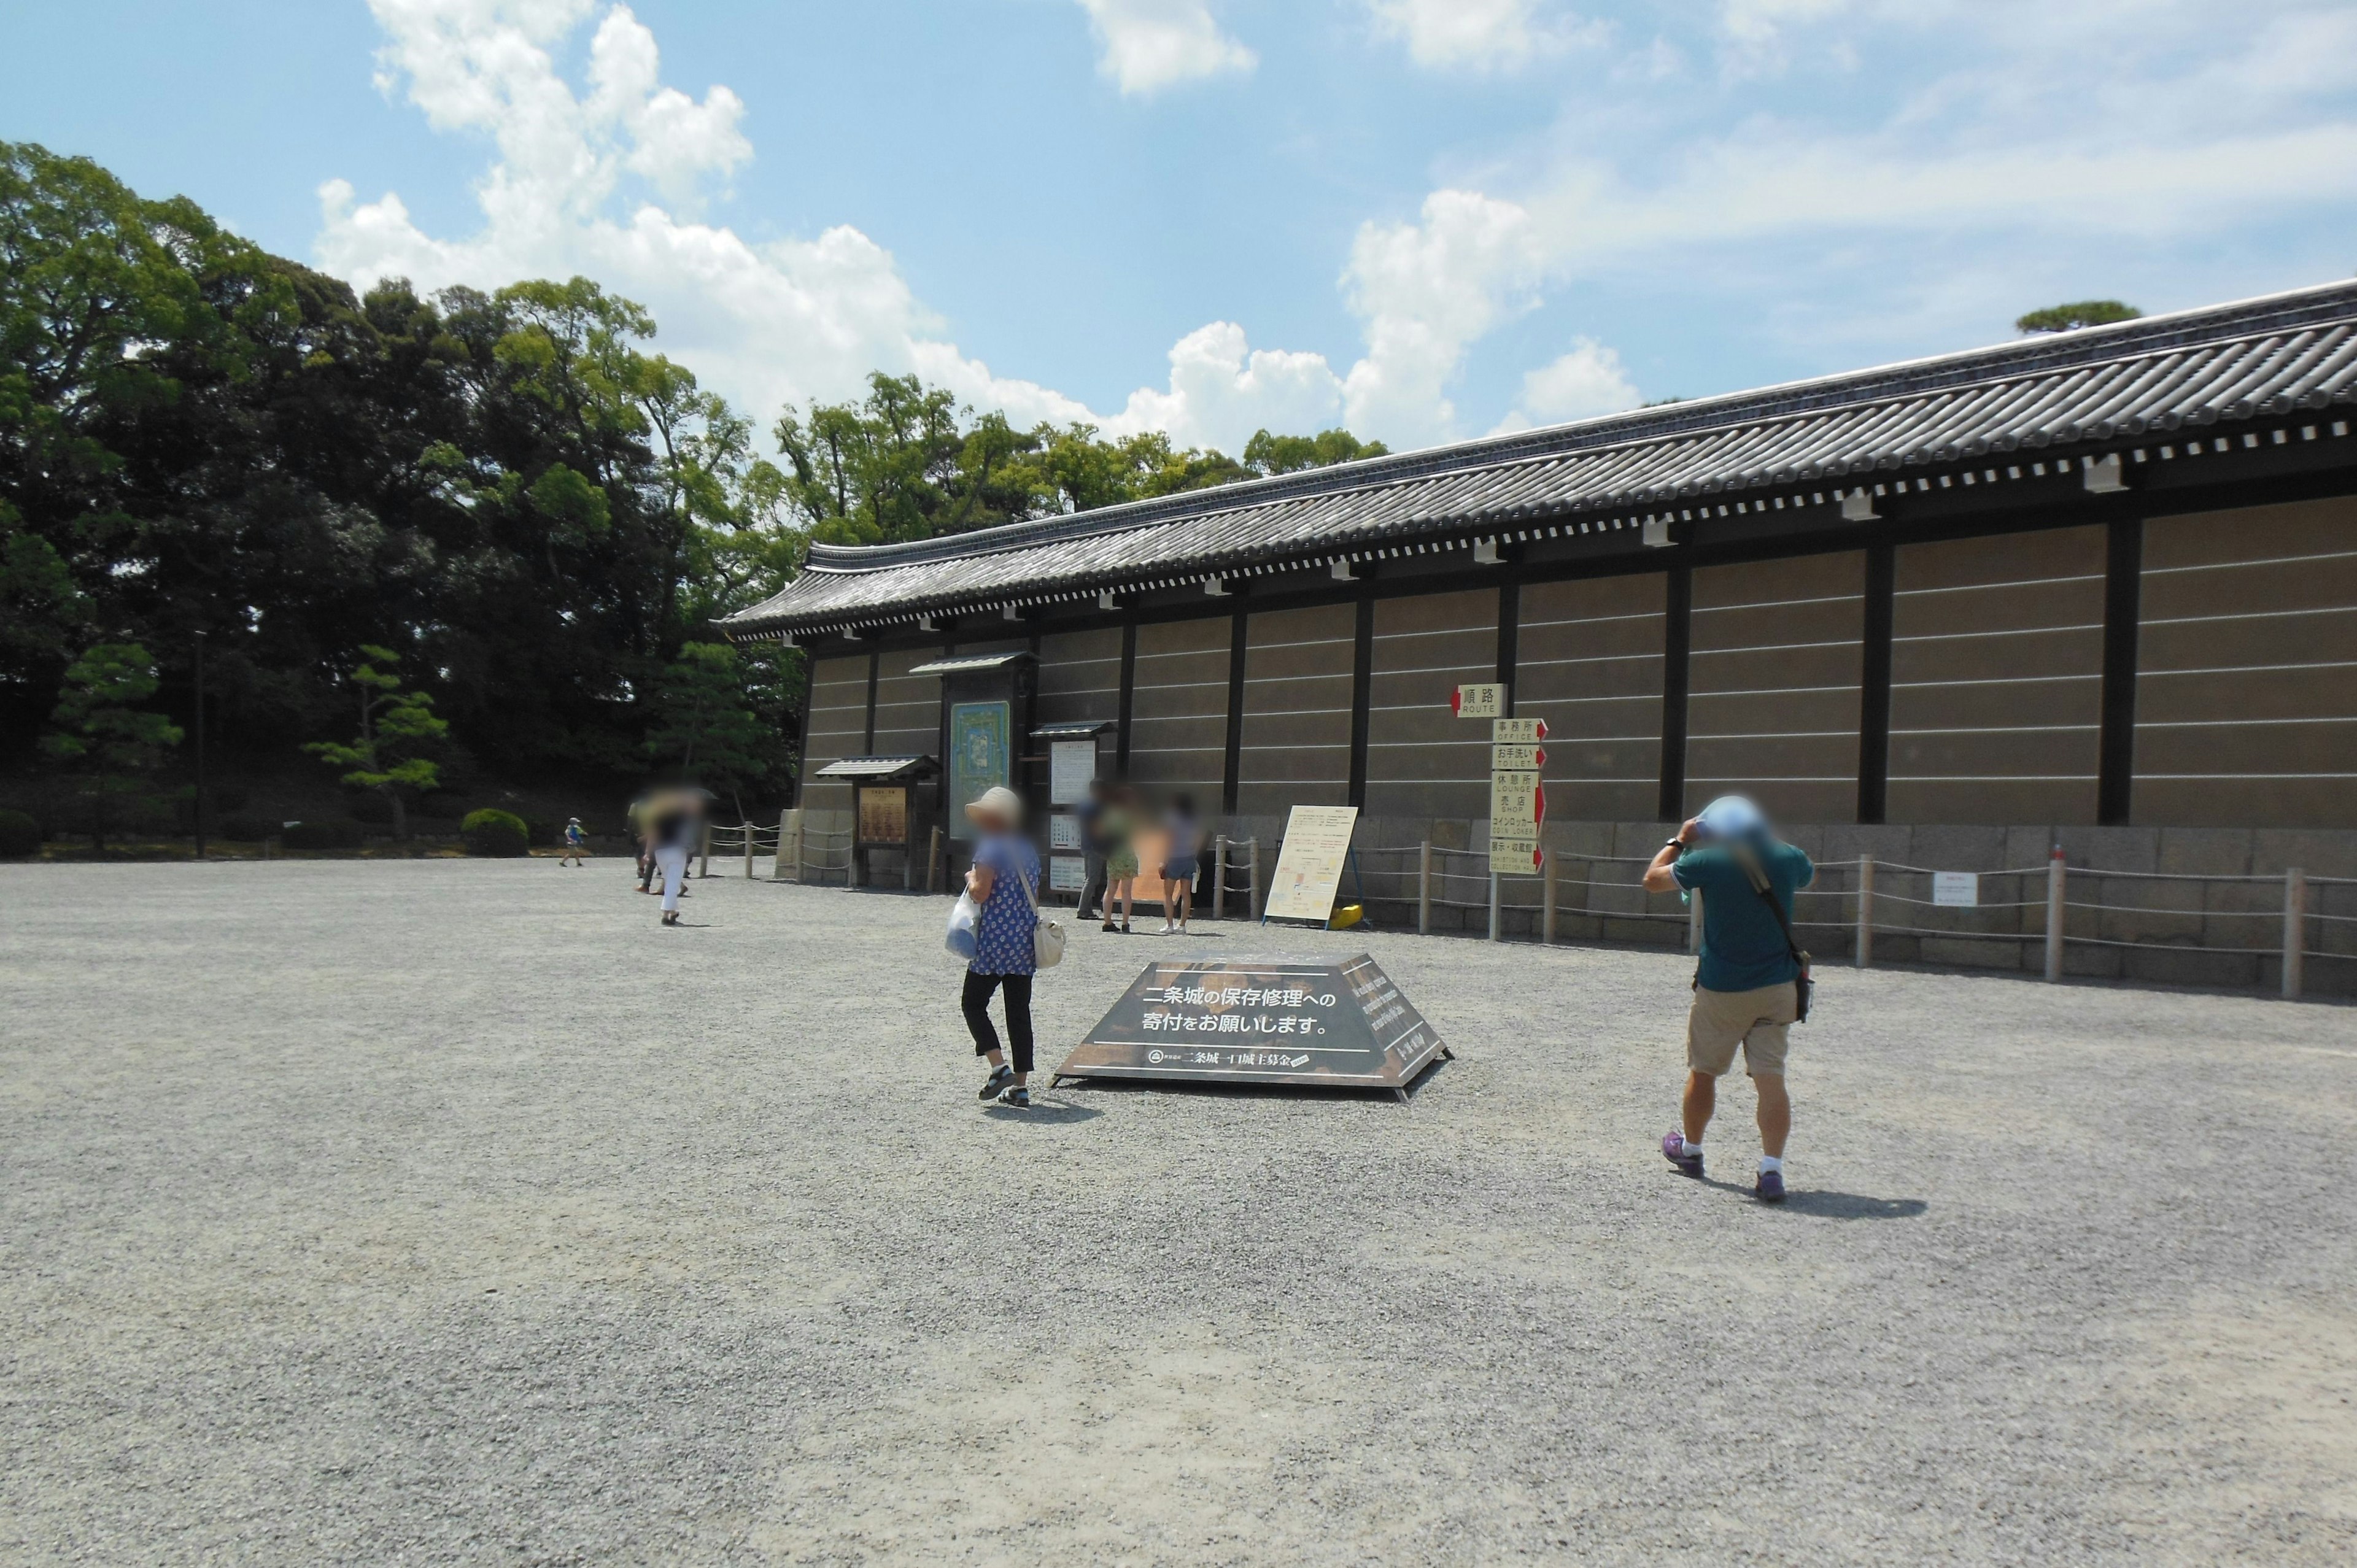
x=1754, y=873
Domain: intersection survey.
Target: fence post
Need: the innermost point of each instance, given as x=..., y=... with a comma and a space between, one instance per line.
x=1548, y=896
x=748, y=850
x=1424, y=888
x=1693, y=921
x=704, y=847
x=1865, y=910
x=1251, y=848
x=1220, y=878
x=2055, y=911
x=796, y=828
x=933, y=863
x=1490, y=864
x=2294, y=951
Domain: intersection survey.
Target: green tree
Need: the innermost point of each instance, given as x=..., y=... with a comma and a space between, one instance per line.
x=2071, y=318
x=396, y=726
x=104, y=738
x=704, y=725
x=1266, y=454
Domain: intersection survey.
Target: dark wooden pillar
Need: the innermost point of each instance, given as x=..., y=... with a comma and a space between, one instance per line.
x=1874, y=685
x=2122, y=618
x=1362, y=680
x=1677, y=648
x=1231, y=768
x=1128, y=688
x=1510, y=637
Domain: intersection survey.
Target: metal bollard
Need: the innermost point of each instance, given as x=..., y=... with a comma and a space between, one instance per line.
x=1252, y=849
x=749, y=852
x=1424, y=890
x=2295, y=940
x=1865, y=910
x=1220, y=878
x=2056, y=909
x=1493, y=896
x=1547, y=895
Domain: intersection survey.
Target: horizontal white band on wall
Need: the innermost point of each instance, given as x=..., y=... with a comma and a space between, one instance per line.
x=1778, y=604
x=1530, y=626
x=1767, y=690
x=2238, y=724
x=1846, y=778
x=2237, y=777
x=2010, y=631
x=1992, y=680
x=1219, y=685
x=1489, y=629
x=1528, y=705
x=1995, y=778
x=2249, y=615
x=1483, y=671
x=1254, y=645
x=1522, y=664
x=2252, y=668
x=2004, y=729
x=1769, y=735
x=2262, y=561
x=1987, y=587
x=1775, y=648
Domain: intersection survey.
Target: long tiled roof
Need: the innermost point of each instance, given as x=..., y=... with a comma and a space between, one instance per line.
x=2104, y=384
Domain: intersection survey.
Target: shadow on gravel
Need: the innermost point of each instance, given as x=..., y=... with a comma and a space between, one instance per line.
x=1834, y=1205
x=1055, y=1113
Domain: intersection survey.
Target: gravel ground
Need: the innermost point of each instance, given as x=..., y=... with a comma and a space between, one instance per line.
x=451, y=1211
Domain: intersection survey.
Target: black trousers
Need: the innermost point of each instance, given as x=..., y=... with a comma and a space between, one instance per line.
x=1094, y=890
x=976, y=1005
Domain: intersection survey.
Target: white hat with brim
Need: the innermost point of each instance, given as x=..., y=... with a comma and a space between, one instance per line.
x=997, y=801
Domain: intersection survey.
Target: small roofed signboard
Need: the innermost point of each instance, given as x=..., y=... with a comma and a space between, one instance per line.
x=1306, y=1021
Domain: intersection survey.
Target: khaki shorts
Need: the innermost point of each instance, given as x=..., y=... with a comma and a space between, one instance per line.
x=1756, y=1020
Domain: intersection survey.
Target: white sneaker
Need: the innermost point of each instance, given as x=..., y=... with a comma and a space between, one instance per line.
x=1167, y=930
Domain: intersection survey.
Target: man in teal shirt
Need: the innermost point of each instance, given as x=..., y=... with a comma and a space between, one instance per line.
x=1746, y=987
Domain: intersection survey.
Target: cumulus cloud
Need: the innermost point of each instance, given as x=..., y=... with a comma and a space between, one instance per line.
x=1587, y=382
x=1148, y=45
x=605, y=180
x=1478, y=34
x=1424, y=293
x=765, y=323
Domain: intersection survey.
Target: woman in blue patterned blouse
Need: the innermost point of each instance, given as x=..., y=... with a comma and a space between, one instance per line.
x=1005, y=884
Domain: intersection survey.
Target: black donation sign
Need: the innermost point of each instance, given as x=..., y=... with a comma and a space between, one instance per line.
x=1309, y=1021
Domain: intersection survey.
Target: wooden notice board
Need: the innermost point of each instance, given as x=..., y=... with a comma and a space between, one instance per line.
x=1309, y=867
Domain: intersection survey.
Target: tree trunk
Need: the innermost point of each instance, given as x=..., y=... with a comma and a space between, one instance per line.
x=399, y=817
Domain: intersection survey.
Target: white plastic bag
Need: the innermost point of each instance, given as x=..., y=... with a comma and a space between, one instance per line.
x=959, y=936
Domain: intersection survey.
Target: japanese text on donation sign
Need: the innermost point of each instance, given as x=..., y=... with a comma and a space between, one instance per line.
x=1309, y=867
x=1272, y=1020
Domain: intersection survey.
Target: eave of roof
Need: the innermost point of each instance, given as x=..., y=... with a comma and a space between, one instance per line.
x=2235, y=360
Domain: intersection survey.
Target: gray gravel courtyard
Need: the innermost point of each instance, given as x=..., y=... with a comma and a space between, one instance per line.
x=450, y=1211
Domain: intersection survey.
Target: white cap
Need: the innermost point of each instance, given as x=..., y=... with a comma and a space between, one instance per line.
x=1731, y=817
x=997, y=801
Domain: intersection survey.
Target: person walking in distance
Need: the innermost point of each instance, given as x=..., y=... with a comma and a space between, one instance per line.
x=1004, y=884
x=673, y=817
x=576, y=844
x=1752, y=983
x=1091, y=815
x=1180, y=865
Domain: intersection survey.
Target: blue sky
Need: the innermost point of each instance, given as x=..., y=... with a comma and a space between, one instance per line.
x=1424, y=217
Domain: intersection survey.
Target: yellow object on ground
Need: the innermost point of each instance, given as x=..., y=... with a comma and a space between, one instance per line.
x=1345, y=916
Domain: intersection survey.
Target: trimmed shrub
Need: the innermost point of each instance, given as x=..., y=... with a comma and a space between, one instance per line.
x=497, y=834
x=19, y=835
x=245, y=829
x=327, y=835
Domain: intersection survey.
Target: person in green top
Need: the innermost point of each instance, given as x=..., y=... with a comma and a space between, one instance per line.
x=1117, y=825
x=1747, y=986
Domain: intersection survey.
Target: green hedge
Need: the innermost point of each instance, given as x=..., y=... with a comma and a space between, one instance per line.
x=498, y=834
x=241, y=828
x=20, y=835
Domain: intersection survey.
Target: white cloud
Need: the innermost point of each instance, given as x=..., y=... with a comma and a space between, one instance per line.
x=1148, y=45
x=1424, y=293
x=765, y=324
x=786, y=321
x=1477, y=34
x=1587, y=382
x=1222, y=390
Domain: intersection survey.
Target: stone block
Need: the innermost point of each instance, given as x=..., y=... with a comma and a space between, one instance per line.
x=1965, y=953
x=2318, y=851
x=2187, y=966
x=2112, y=849
x=2205, y=852
x=1959, y=848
